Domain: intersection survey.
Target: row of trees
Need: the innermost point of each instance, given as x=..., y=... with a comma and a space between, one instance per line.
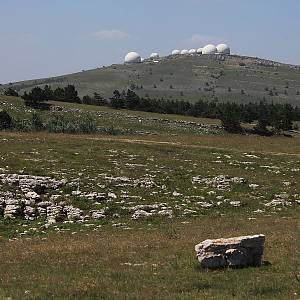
x=37, y=96
x=269, y=117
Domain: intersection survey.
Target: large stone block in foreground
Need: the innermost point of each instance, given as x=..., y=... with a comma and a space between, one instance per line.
x=244, y=251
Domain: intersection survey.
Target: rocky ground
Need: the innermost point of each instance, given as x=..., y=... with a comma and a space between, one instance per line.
x=115, y=185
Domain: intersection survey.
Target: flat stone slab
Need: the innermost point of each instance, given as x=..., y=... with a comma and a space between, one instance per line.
x=243, y=251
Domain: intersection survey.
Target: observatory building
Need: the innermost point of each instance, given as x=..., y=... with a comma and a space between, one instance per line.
x=209, y=49
x=175, y=52
x=199, y=50
x=154, y=55
x=184, y=52
x=223, y=49
x=132, y=58
x=192, y=51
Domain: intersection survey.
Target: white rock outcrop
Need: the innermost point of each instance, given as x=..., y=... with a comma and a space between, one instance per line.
x=244, y=251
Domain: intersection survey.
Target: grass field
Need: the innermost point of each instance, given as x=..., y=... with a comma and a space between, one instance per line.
x=152, y=258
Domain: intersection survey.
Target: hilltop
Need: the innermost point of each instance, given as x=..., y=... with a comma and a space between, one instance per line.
x=190, y=78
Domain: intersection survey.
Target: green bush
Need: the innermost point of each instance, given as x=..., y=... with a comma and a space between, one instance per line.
x=60, y=123
x=5, y=120
x=37, y=123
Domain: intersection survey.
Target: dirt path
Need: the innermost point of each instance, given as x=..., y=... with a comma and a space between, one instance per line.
x=179, y=144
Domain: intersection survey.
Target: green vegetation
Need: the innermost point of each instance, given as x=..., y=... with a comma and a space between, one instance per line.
x=37, y=96
x=11, y=92
x=192, y=78
x=271, y=118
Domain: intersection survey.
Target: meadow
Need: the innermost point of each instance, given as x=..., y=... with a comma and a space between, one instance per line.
x=170, y=170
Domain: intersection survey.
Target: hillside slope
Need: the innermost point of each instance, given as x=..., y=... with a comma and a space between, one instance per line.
x=189, y=78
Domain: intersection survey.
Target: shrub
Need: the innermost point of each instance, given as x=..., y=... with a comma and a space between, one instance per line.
x=6, y=121
x=37, y=123
x=60, y=123
x=87, y=125
x=231, y=122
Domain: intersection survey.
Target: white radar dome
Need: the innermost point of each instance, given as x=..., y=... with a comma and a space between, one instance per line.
x=184, y=52
x=192, y=51
x=133, y=58
x=175, y=52
x=199, y=50
x=223, y=49
x=209, y=49
x=154, y=55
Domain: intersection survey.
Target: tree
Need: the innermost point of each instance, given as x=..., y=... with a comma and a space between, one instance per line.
x=264, y=120
x=117, y=101
x=35, y=98
x=11, y=92
x=230, y=118
x=87, y=100
x=6, y=121
x=59, y=94
x=132, y=100
x=99, y=100
x=48, y=93
x=284, y=119
x=36, y=121
x=71, y=95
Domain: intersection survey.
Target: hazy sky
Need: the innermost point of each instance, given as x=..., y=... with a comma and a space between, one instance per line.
x=41, y=38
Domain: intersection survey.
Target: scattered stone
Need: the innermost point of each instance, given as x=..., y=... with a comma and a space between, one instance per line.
x=30, y=213
x=166, y=213
x=221, y=182
x=32, y=195
x=73, y=213
x=235, y=203
x=55, y=214
x=141, y=214
x=12, y=211
x=98, y=214
x=34, y=183
x=281, y=200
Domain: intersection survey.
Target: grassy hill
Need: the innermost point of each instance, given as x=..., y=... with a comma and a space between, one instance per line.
x=189, y=78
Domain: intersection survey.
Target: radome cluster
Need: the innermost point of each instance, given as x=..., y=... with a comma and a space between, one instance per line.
x=134, y=57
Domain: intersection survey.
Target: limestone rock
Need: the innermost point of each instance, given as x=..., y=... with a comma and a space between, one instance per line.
x=32, y=195
x=12, y=211
x=166, y=213
x=44, y=204
x=221, y=182
x=29, y=213
x=73, y=213
x=30, y=183
x=55, y=213
x=241, y=251
x=98, y=214
x=141, y=214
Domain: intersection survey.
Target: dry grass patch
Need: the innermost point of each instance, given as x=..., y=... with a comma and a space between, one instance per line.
x=150, y=262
